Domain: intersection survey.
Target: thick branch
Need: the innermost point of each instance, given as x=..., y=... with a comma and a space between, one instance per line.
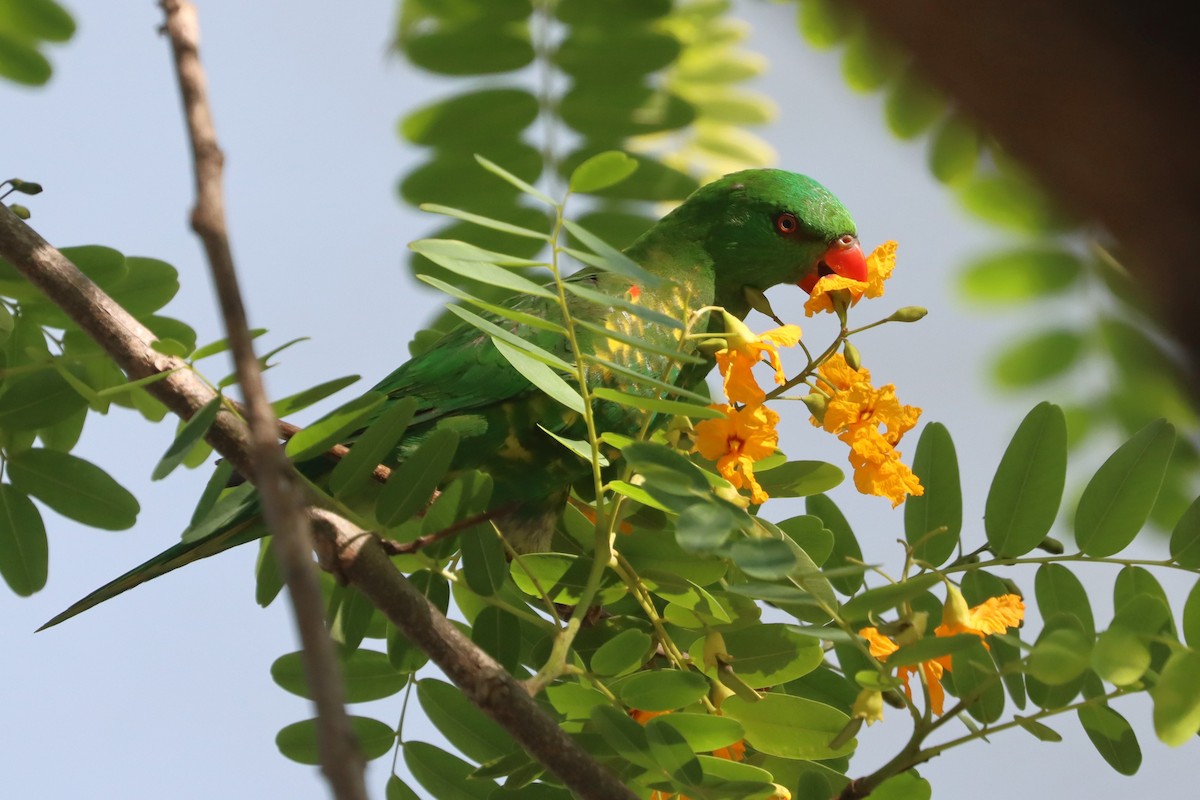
x=1091, y=96
x=283, y=500
x=354, y=554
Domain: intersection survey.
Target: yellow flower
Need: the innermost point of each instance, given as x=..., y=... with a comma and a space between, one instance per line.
x=994, y=615
x=880, y=264
x=736, y=441
x=878, y=469
x=882, y=647
x=743, y=350
x=871, y=421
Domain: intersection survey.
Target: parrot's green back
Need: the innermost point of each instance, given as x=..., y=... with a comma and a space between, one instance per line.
x=753, y=229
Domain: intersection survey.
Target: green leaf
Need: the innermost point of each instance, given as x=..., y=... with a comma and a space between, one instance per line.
x=662, y=690
x=954, y=149
x=623, y=735
x=75, y=488
x=703, y=732
x=846, y=549
x=301, y=400
x=411, y=484
x=268, y=583
x=1038, y=358
x=1191, y=618
x=21, y=62
x=221, y=345
x=1024, y=496
x=469, y=121
x=1185, y=538
x=623, y=653
x=800, y=478
x=912, y=106
x=540, y=375
x=1060, y=655
x=397, y=789
x=517, y=316
x=366, y=674
x=493, y=275
x=605, y=111
x=1021, y=275
x=496, y=332
x=764, y=559
x=1013, y=203
x=666, y=470
x=513, y=180
x=485, y=566
x=444, y=776
x=657, y=405
x=768, y=654
x=481, y=48
x=936, y=465
x=811, y=535
x=1120, y=657
x=373, y=446
x=790, y=727
x=885, y=598
x=1058, y=592
x=613, y=259
x=465, y=251
x=148, y=285
x=38, y=400
x=1119, y=497
x=824, y=23
x=486, y=222
x=39, y=19
x=334, y=427
x=24, y=549
x=868, y=61
x=1177, y=698
x=974, y=675
x=498, y=633
x=671, y=752
x=298, y=741
x=704, y=527
x=602, y=170
x=1112, y=736
x=562, y=577
x=191, y=432
x=463, y=725
x=1043, y=733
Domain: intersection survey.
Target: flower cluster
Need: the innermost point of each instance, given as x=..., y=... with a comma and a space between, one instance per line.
x=871, y=421
x=745, y=433
x=880, y=264
x=994, y=615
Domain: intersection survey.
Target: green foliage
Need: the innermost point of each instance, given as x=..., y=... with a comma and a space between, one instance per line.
x=25, y=26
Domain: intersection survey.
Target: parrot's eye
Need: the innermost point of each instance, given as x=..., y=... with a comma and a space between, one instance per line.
x=786, y=223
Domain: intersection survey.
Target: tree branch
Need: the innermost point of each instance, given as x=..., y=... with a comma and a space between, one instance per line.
x=352, y=553
x=283, y=500
x=1091, y=96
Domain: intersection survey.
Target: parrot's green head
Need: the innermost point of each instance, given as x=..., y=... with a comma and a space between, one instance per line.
x=763, y=227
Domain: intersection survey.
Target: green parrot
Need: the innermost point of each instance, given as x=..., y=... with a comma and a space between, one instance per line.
x=749, y=230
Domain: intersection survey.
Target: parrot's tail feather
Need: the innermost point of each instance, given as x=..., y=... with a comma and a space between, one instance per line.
x=180, y=555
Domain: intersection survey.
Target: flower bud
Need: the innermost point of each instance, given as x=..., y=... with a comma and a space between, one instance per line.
x=853, y=359
x=817, y=403
x=20, y=210
x=908, y=314
x=714, y=649
x=956, y=614
x=868, y=706
x=758, y=301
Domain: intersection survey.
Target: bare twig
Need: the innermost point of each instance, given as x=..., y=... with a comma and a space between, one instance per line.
x=394, y=548
x=283, y=500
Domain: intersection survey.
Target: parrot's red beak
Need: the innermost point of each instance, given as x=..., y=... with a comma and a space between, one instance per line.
x=844, y=258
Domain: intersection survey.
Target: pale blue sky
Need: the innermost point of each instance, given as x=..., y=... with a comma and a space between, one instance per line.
x=165, y=692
